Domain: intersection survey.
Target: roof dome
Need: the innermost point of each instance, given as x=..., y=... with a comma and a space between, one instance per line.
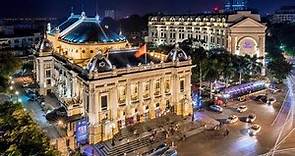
x=177, y=54
x=81, y=29
x=99, y=63
x=44, y=45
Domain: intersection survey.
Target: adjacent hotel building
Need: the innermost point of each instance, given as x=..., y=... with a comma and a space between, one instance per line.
x=241, y=33
x=100, y=79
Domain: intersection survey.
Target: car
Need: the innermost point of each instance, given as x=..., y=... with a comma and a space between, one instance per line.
x=242, y=109
x=25, y=85
x=275, y=90
x=251, y=118
x=242, y=99
x=261, y=98
x=170, y=152
x=216, y=108
x=254, y=129
x=42, y=104
x=271, y=101
x=159, y=151
x=56, y=114
x=232, y=119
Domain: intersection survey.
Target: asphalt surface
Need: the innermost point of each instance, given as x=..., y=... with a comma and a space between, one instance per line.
x=238, y=142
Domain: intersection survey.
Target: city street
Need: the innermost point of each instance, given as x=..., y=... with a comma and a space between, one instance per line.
x=35, y=110
x=238, y=142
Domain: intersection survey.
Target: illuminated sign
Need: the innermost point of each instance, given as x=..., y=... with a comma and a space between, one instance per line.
x=82, y=131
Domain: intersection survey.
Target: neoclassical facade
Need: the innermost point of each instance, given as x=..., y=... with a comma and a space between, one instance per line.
x=240, y=33
x=114, y=88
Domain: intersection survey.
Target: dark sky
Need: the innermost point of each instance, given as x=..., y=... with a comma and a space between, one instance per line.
x=61, y=8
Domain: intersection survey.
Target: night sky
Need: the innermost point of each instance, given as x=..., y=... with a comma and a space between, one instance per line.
x=61, y=8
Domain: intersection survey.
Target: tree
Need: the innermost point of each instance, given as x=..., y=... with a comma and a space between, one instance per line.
x=20, y=135
x=279, y=68
x=8, y=65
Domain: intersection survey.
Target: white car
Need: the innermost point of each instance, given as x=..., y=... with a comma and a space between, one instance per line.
x=232, y=119
x=242, y=109
x=216, y=108
x=271, y=101
x=254, y=129
x=251, y=118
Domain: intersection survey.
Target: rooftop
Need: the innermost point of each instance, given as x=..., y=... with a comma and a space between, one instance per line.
x=80, y=29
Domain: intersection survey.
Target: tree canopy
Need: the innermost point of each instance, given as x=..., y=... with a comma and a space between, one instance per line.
x=19, y=135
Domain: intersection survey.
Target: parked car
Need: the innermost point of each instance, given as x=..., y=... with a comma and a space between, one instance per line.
x=271, y=101
x=251, y=118
x=261, y=98
x=242, y=99
x=232, y=119
x=170, y=152
x=254, y=129
x=242, y=109
x=25, y=85
x=216, y=108
x=275, y=90
x=56, y=114
x=159, y=151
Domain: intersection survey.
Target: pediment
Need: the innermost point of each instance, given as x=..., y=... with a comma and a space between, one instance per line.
x=248, y=22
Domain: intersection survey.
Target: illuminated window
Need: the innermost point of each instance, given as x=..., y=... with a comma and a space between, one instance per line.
x=181, y=85
x=48, y=73
x=167, y=86
x=104, y=102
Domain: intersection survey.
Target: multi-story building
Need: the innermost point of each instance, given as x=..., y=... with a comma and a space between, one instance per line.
x=235, y=5
x=96, y=75
x=110, y=13
x=285, y=14
x=241, y=33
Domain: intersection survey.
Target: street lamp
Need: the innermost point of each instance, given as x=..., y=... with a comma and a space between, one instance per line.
x=12, y=82
x=11, y=87
x=19, y=100
x=16, y=93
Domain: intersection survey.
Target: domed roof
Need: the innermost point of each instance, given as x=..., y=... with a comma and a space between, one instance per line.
x=177, y=54
x=91, y=32
x=44, y=45
x=81, y=29
x=99, y=63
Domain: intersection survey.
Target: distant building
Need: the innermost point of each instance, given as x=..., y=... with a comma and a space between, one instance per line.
x=235, y=5
x=284, y=14
x=241, y=33
x=110, y=13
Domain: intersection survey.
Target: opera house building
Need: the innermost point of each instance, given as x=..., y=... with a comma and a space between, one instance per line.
x=106, y=85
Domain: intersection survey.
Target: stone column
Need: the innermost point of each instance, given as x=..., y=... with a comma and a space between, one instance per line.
x=113, y=97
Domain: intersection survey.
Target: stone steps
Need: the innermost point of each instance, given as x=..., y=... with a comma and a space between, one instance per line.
x=106, y=149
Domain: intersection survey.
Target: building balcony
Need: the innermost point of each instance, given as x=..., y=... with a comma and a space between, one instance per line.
x=157, y=92
x=146, y=96
x=134, y=98
x=74, y=106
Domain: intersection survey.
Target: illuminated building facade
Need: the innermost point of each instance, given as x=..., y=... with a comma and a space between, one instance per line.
x=286, y=14
x=95, y=74
x=241, y=33
x=235, y=5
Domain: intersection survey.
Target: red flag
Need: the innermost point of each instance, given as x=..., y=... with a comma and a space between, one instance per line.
x=141, y=51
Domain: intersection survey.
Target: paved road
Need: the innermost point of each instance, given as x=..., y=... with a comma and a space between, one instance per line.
x=35, y=110
x=238, y=142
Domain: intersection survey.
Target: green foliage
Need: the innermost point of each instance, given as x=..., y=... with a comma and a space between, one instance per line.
x=281, y=39
x=19, y=134
x=29, y=66
x=279, y=68
x=8, y=65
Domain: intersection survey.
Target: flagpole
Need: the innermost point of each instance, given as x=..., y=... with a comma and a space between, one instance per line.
x=145, y=54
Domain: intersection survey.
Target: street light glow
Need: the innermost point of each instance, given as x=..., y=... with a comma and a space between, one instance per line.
x=16, y=92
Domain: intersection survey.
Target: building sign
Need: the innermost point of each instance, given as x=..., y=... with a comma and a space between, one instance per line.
x=82, y=131
x=248, y=46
